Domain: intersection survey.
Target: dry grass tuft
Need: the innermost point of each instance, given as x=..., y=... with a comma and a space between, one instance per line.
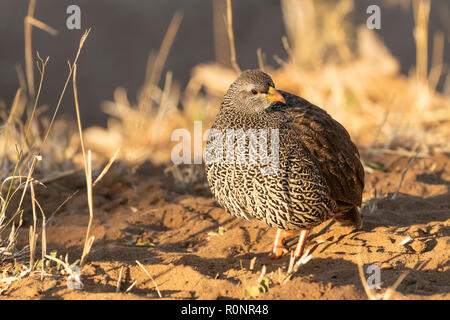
x=22, y=146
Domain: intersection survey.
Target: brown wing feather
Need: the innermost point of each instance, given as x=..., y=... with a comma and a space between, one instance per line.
x=330, y=145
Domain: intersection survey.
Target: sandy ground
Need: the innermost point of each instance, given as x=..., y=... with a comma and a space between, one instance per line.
x=194, y=250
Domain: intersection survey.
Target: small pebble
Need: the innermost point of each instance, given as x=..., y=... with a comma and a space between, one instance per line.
x=419, y=246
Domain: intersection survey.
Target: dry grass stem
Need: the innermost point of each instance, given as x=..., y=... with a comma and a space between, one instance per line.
x=437, y=60
x=119, y=281
x=131, y=286
x=28, y=29
x=252, y=264
x=42, y=73
x=160, y=61
x=263, y=273
x=87, y=170
x=259, y=54
x=27, y=182
x=29, y=22
x=421, y=10
x=106, y=168
x=80, y=46
x=388, y=292
x=66, y=266
x=151, y=278
x=394, y=196
x=231, y=38
x=5, y=201
x=89, y=240
x=294, y=266
x=41, y=25
x=13, y=112
x=77, y=110
x=33, y=237
x=43, y=238
x=363, y=281
x=291, y=262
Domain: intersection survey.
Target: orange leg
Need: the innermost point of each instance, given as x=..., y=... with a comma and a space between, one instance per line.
x=278, y=249
x=301, y=243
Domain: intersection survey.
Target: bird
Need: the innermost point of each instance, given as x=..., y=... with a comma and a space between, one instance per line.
x=315, y=176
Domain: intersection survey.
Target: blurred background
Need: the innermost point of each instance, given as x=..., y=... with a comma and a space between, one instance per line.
x=124, y=33
x=149, y=67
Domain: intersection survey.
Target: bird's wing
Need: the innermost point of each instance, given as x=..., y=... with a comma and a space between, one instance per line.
x=331, y=147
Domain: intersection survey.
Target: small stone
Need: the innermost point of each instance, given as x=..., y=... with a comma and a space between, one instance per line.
x=419, y=246
x=436, y=230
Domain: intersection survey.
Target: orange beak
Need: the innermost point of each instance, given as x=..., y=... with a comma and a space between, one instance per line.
x=274, y=95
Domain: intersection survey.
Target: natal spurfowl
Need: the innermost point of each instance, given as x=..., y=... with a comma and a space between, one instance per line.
x=309, y=172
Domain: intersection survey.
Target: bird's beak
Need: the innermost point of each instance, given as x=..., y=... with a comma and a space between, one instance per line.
x=274, y=95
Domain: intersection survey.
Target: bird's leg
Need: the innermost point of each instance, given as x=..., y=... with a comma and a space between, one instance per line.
x=301, y=243
x=278, y=249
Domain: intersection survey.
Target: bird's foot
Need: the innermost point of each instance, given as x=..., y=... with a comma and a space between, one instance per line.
x=278, y=248
x=278, y=252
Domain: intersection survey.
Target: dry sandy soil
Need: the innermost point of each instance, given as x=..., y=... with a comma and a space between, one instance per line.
x=194, y=250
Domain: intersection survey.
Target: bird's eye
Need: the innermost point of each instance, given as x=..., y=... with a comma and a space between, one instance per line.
x=254, y=91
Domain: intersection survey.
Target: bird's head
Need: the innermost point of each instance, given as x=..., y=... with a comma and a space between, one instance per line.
x=253, y=91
